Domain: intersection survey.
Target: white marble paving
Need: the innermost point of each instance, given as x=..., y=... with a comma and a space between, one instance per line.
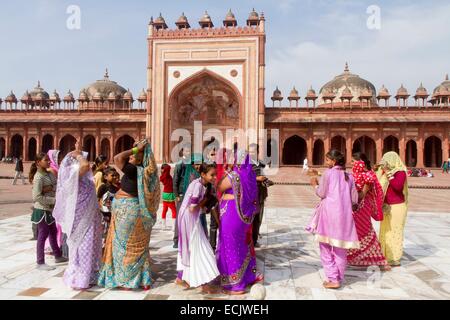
x=288, y=257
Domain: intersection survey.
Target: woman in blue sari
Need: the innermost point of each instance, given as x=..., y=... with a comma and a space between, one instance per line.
x=126, y=260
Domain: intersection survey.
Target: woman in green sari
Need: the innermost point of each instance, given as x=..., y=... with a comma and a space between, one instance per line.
x=126, y=260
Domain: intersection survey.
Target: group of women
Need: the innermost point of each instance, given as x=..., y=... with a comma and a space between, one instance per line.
x=342, y=222
x=232, y=267
x=64, y=194
x=68, y=198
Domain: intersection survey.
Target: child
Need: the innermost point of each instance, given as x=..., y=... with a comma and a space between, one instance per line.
x=44, y=188
x=100, y=164
x=196, y=263
x=333, y=224
x=105, y=196
x=168, y=196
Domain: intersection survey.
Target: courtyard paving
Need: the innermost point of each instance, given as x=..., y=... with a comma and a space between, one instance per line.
x=288, y=257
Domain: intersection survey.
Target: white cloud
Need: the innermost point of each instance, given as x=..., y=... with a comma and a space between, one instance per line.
x=392, y=55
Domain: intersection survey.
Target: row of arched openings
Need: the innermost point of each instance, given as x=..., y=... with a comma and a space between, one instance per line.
x=295, y=150
x=66, y=144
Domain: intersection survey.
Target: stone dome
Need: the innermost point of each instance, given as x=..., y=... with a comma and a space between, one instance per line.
x=311, y=93
x=69, y=97
x=356, y=85
x=206, y=17
x=128, y=95
x=253, y=15
x=143, y=96
x=39, y=93
x=26, y=97
x=11, y=97
x=160, y=19
x=55, y=96
x=402, y=91
x=182, y=18
x=103, y=88
x=445, y=83
x=230, y=16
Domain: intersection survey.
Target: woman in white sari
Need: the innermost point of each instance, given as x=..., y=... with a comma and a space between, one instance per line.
x=76, y=210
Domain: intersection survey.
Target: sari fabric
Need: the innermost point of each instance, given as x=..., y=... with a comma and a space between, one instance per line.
x=53, y=156
x=235, y=254
x=393, y=224
x=76, y=210
x=126, y=259
x=371, y=205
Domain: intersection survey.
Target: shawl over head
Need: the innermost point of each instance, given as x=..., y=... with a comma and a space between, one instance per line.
x=190, y=174
x=391, y=163
x=53, y=156
x=363, y=176
x=149, y=190
x=68, y=201
x=245, y=187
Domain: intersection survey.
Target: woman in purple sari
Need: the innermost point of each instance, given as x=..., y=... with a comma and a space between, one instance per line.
x=235, y=252
x=76, y=210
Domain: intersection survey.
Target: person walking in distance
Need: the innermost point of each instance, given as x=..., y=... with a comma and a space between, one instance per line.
x=19, y=171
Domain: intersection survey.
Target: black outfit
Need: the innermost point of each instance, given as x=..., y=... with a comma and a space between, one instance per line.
x=129, y=179
x=178, y=178
x=19, y=165
x=262, y=195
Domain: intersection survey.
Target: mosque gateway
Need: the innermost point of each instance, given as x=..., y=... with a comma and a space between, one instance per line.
x=215, y=73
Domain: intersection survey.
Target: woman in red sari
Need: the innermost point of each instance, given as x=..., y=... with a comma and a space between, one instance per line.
x=370, y=206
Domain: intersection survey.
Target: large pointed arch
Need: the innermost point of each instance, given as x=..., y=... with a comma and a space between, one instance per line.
x=204, y=96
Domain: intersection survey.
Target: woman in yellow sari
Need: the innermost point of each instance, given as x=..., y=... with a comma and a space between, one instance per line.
x=392, y=175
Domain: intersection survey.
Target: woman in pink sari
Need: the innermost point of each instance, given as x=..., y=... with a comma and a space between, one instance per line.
x=370, y=206
x=235, y=253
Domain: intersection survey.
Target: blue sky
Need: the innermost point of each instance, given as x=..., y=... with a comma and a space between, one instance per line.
x=308, y=41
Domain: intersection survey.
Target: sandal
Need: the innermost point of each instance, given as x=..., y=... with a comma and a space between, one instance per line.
x=331, y=285
x=232, y=293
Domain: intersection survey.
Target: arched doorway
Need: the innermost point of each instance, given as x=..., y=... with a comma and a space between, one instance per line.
x=47, y=143
x=294, y=151
x=433, y=152
x=390, y=143
x=2, y=148
x=205, y=97
x=16, y=146
x=411, y=153
x=67, y=144
x=106, y=148
x=32, y=149
x=125, y=142
x=89, y=147
x=367, y=146
x=318, y=153
x=338, y=143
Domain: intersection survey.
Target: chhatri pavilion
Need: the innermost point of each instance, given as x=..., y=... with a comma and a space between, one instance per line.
x=216, y=74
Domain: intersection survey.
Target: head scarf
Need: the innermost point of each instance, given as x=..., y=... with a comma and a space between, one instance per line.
x=67, y=201
x=390, y=164
x=359, y=174
x=165, y=174
x=53, y=156
x=148, y=187
x=245, y=187
x=190, y=174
